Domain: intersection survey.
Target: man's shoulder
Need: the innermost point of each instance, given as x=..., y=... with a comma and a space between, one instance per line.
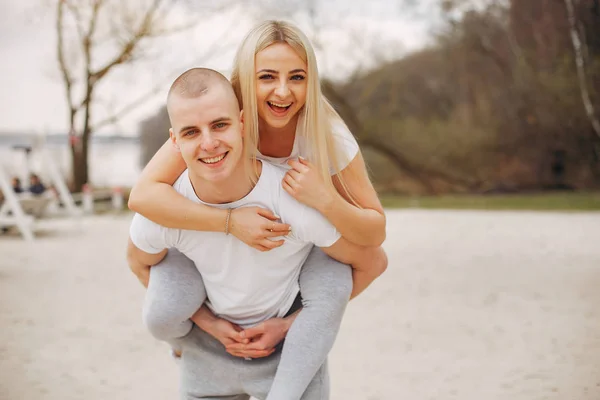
x=183, y=185
x=273, y=171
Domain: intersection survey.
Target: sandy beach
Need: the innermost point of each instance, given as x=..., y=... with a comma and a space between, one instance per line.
x=474, y=306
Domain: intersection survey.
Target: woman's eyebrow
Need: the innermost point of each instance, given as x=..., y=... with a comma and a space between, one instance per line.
x=272, y=71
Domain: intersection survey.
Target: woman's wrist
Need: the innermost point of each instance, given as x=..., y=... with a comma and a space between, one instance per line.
x=327, y=204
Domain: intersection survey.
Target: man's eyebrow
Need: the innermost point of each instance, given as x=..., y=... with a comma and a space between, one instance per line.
x=222, y=119
x=187, y=128
x=216, y=121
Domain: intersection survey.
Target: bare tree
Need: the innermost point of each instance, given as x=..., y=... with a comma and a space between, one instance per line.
x=580, y=63
x=97, y=37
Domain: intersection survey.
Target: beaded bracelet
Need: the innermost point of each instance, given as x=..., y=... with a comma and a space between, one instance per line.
x=227, y=221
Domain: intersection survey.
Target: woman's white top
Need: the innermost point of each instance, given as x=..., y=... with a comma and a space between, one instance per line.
x=346, y=145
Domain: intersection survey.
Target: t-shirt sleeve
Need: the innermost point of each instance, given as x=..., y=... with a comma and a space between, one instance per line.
x=151, y=237
x=346, y=144
x=308, y=225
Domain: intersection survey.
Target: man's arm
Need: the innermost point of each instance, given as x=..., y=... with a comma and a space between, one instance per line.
x=367, y=263
x=139, y=261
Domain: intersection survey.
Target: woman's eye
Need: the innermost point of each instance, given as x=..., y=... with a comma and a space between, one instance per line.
x=297, y=77
x=265, y=76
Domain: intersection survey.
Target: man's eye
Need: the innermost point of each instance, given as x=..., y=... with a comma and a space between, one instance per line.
x=266, y=77
x=220, y=125
x=297, y=77
x=189, y=133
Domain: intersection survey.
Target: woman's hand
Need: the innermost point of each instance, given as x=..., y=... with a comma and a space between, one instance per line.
x=305, y=184
x=254, y=226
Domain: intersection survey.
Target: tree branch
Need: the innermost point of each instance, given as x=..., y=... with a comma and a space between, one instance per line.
x=579, y=62
x=66, y=74
x=138, y=102
x=78, y=20
x=143, y=31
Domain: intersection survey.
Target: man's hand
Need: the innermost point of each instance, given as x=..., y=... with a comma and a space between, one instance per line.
x=225, y=332
x=229, y=335
x=263, y=337
x=256, y=226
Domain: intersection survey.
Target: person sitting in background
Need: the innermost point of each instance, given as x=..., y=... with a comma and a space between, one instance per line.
x=16, y=185
x=35, y=185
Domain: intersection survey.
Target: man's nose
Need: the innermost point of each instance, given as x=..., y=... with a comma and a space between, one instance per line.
x=209, y=142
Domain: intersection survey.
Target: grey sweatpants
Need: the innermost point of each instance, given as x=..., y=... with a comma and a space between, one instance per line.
x=176, y=292
x=208, y=372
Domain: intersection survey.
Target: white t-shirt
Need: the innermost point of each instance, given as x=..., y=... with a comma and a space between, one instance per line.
x=244, y=285
x=345, y=141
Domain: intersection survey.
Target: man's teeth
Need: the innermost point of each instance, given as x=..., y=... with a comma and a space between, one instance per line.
x=280, y=105
x=213, y=160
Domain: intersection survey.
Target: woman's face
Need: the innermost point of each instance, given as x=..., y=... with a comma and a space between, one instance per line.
x=281, y=85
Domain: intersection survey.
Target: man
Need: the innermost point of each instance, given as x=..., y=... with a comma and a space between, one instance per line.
x=35, y=185
x=244, y=286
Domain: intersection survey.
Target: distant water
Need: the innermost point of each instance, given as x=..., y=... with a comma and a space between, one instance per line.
x=114, y=161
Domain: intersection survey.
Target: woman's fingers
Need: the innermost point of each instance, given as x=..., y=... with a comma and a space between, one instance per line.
x=295, y=175
x=277, y=227
x=260, y=247
x=272, y=234
x=299, y=165
x=290, y=181
x=286, y=186
x=272, y=224
x=263, y=212
x=271, y=244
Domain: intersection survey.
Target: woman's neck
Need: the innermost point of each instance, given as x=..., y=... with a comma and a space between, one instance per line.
x=277, y=142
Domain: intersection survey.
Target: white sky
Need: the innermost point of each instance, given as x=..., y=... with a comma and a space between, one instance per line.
x=32, y=96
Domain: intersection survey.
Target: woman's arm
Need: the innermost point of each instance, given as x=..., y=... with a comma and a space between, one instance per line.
x=362, y=226
x=154, y=197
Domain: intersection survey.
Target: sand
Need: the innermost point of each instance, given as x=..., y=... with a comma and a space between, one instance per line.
x=474, y=305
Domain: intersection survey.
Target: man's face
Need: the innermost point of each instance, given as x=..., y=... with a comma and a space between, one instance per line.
x=207, y=130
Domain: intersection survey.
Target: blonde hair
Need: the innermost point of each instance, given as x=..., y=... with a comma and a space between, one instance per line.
x=317, y=117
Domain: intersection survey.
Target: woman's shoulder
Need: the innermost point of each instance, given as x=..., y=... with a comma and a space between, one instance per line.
x=339, y=128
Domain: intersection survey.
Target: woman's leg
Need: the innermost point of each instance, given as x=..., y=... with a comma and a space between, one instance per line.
x=325, y=286
x=175, y=292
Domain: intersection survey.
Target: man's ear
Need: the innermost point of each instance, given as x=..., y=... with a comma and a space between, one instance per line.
x=173, y=139
x=242, y=121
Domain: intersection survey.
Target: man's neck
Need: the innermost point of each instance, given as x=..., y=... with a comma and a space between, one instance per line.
x=233, y=188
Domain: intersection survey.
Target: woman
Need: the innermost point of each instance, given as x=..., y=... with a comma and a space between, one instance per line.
x=288, y=120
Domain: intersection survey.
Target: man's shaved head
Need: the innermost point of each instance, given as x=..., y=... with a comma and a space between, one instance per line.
x=196, y=82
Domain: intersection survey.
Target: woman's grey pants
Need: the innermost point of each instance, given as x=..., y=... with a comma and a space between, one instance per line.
x=176, y=292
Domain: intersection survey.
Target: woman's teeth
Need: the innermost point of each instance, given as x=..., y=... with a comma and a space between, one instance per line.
x=213, y=160
x=279, y=105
